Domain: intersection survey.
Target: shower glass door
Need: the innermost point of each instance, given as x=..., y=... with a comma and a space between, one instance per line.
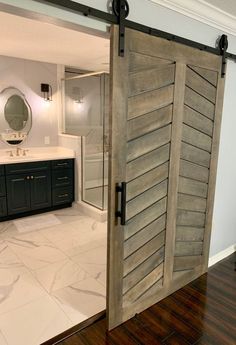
x=86, y=111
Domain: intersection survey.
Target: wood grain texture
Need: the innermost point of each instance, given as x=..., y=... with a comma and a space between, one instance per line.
x=145, y=235
x=149, y=122
x=146, y=199
x=187, y=233
x=148, y=142
x=182, y=263
x=194, y=171
x=188, y=248
x=192, y=187
x=151, y=79
x=147, y=180
x=192, y=203
x=195, y=82
x=146, y=217
x=143, y=253
x=196, y=138
x=174, y=171
x=194, y=119
x=149, y=101
x=140, y=62
x=206, y=74
x=213, y=169
x=190, y=218
x=199, y=103
x=117, y=173
x=195, y=155
x=147, y=162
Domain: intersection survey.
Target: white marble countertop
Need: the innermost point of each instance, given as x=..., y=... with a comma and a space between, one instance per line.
x=36, y=154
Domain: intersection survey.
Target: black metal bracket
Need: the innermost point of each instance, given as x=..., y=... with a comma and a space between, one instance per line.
x=223, y=46
x=121, y=189
x=121, y=10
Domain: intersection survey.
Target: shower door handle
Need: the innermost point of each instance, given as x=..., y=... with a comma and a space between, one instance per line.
x=121, y=197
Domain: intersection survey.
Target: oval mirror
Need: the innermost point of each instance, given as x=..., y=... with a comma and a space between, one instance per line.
x=15, y=116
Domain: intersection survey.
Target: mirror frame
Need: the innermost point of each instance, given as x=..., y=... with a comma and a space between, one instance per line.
x=4, y=97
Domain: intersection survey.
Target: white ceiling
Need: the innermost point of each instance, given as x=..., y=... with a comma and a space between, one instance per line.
x=29, y=39
x=228, y=6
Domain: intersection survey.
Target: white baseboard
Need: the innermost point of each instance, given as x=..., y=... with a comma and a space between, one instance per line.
x=221, y=255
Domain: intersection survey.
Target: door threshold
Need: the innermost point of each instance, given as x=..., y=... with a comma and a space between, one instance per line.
x=75, y=329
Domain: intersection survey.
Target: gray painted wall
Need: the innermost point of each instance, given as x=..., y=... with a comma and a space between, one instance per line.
x=146, y=12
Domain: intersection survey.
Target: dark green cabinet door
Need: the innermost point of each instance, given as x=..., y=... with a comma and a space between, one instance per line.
x=18, y=194
x=40, y=190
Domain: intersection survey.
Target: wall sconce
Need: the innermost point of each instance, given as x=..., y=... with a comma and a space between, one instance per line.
x=46, y=89
x=78, y=96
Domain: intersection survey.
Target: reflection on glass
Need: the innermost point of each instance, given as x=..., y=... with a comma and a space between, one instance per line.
x=86, y=115
x=16, y=113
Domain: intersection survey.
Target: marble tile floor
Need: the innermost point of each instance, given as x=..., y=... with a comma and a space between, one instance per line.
x=50, y=279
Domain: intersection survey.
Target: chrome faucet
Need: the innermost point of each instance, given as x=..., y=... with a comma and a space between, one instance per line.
x=18, y=151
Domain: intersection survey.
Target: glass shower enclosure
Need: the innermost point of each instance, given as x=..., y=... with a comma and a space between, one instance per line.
x=86, y=114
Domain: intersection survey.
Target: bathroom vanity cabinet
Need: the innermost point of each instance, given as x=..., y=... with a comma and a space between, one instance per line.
x=28, y=188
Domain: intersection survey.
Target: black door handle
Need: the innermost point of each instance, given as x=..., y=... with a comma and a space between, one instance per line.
x=121, y=213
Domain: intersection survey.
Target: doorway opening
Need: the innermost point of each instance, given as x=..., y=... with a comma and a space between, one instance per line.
x=52, y=258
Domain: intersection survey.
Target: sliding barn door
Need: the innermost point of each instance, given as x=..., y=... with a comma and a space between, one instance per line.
x=166, y=103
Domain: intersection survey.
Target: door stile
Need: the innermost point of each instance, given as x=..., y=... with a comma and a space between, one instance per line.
x=117, y=174
x=175, y=151
x=213, y=170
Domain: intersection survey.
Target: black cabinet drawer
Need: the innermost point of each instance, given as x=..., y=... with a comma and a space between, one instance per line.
x=3, y=207
x=1, y=170
x=21, y=168
x=63, y=164
x=2, y=186
x=63, y=195
x=62, y=178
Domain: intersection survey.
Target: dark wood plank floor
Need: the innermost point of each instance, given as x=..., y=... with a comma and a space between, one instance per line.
x=202, y=313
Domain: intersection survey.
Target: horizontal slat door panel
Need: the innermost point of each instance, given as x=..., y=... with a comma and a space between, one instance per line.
x=148, y=142
x=192, y=187
x=152, y=79
x=200, y=85
x=146, y=199
x=146, y=181
x=199, y=103
x=210, y=76
x=187, y=262
x=145, y=235
x=194, y=119
x=140, y=62
x=147, y=162
x=149, y=122
x=142, y=270
x=196, y=138
x=188, y=248
x=143, y=253
x=194, y=171
x=192, y=203
x=149, y=101
x=139, y=289
x=189, y=218
x=195, y=155
x=146, y=217
x=189, y=234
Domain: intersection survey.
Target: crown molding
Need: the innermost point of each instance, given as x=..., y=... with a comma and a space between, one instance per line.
x=203, y=12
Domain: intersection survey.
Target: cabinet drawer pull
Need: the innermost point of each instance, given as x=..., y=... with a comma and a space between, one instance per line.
x=62, y=178
x=63, y=195
x=27, y=178
x=61, y=164
x=32, y=177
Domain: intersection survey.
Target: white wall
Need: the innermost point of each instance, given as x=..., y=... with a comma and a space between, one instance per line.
x=148, y=13
x=27, y=75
